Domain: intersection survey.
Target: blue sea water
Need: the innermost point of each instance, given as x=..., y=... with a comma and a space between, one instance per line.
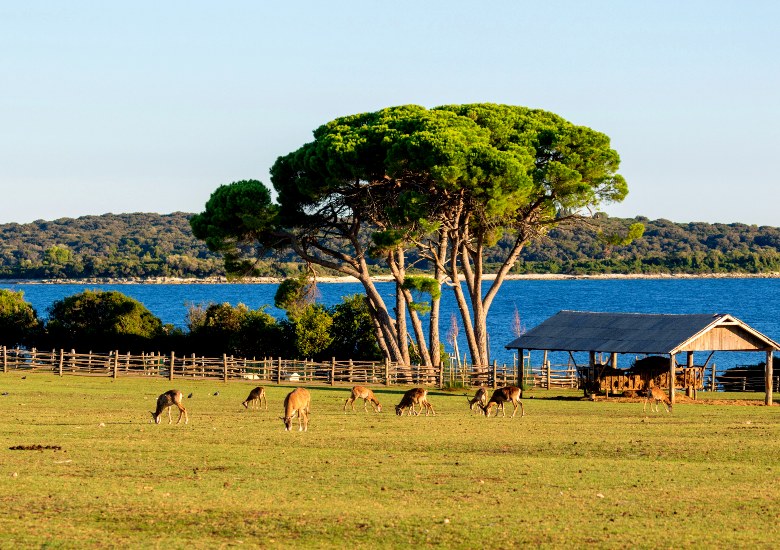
x=754, y=301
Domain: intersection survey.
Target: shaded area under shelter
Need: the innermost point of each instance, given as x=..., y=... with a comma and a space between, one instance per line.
x=666, y=335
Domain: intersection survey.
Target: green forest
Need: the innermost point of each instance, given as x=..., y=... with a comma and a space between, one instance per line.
x=144, y=245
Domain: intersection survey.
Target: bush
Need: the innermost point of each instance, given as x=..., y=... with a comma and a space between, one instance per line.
x=19, y=323
x=102, y=321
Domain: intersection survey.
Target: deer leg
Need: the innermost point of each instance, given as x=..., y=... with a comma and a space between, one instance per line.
x=365, y=405
x=522, y=408
x=503, y=412
x=170, y=420
x=514, y=412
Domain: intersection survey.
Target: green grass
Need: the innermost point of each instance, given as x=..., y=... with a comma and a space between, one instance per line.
x=571, y=472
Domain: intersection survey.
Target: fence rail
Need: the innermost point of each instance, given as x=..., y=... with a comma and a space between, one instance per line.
x=267, y=369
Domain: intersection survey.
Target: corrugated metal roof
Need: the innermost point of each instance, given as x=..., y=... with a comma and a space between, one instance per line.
x=614, y=332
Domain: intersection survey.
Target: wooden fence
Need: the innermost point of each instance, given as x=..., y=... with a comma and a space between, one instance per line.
x=266, y=369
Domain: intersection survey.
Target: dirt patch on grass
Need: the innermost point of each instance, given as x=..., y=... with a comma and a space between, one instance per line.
x=682, y=399
x=36, y=448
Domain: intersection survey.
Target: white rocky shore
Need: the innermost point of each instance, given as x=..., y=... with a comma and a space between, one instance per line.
x=377, y=278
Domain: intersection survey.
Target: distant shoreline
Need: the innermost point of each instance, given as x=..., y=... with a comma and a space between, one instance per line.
x=378, y=278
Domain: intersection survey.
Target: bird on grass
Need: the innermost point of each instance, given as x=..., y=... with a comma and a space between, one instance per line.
x=189, y=396
x=216, y=393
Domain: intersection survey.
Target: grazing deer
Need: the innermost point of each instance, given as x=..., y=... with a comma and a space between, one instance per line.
x=480, y=399
x=298, y=400
x=415, y=396
x=166, y=401
x=501, y=396
x=361, y=392
x=256, y=397
x=657, y=395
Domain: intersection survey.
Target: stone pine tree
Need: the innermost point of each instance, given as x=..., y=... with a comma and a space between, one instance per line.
x=409, y=184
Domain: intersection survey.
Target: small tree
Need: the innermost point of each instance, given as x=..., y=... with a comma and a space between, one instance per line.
x=352, y=332
x=312, y=332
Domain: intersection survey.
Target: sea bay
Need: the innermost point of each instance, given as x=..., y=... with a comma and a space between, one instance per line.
x=752, y=300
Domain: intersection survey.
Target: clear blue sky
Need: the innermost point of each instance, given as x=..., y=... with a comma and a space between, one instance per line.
x=148, y=106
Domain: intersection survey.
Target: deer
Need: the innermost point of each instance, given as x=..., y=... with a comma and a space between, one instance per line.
x=166, y=401
x=256, y=397
x=361, y=392
x=414, y=397
x=480, y=398
x=501, y=396
x=298, y=400
x=657, y=395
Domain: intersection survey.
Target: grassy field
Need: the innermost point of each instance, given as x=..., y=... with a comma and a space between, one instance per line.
x=572, y=472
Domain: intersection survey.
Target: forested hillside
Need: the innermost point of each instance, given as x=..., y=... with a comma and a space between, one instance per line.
x=111, y=245
x=153, y=245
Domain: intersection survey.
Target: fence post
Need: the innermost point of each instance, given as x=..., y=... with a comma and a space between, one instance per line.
x=62, y=360
x=279, y=372
x=387, y=371
x=495, y=373
x=116, y=363
x=224, y=367
x=173, y=360
x=5, y=360
x=332, y=370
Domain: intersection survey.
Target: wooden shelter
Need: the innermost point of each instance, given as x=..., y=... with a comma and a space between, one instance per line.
x=648, y=334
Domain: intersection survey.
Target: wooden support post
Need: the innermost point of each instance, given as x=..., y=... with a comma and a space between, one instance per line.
x=224, y=367
x=173, y=362
x=520, y=368
x=387, y=371
x=592, y=372
x=768, y=377
x=495, y=373
x=690, y=376
x=351, y=366
x=279, y=372
x=672, y=377
x=332, y=370
x=713, y=386
x=62, y=360
x=116, y=363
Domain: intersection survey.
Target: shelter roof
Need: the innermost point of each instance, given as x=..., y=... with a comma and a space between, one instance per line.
x=642, y=333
